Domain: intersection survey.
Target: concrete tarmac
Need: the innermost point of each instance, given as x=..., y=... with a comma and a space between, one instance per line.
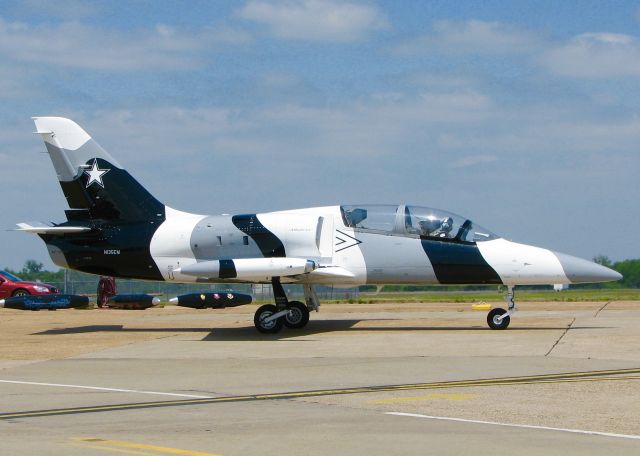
x=375, y=379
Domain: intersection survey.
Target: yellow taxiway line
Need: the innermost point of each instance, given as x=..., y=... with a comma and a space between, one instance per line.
x=120, y=446
x=603, y=375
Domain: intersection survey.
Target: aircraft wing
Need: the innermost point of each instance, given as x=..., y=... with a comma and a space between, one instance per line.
x=42, y=228
x=336, y=272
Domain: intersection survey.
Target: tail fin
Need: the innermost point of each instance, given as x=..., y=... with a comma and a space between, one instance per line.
x=95, y=184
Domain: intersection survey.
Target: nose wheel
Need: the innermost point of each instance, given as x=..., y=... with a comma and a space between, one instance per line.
x=496, y=319
x=500, y=318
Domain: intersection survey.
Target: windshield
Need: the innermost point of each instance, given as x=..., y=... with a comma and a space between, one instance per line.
x=11, y=276
x=414, y=221
x=439, y=224
x=371, y=217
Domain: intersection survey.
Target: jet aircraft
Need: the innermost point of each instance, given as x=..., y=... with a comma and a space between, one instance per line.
x=115, y=227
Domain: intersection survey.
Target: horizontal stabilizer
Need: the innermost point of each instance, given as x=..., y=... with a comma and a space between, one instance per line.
x=41, y=228
x=249, y=268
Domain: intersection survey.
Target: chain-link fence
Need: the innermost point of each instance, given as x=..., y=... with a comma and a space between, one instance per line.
x=87, y=285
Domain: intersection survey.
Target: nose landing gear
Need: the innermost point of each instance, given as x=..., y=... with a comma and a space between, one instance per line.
x=499, y=318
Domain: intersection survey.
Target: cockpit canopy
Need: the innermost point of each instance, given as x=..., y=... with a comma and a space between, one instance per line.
x=414, y=221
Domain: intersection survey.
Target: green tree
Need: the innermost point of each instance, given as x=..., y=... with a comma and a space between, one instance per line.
x=603, y=260
x=34, y=271
x=32, y=267
x=630, y=269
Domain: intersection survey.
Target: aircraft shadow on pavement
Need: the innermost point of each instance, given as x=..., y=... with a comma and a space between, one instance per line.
x=113, y=328
x=326, y=326
x=249, y=333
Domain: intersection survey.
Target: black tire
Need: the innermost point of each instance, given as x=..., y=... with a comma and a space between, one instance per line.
x=493, y=321
x=298, y=315
x=21, y=292
x=264, y=312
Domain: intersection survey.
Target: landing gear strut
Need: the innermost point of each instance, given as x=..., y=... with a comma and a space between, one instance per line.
x=499, y=318
x=270, y=318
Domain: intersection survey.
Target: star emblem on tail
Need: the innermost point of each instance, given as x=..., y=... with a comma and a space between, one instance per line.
x=95, y=174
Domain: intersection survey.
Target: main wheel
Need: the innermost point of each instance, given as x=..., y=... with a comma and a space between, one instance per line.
x=21, y=292
x=264, y=312
x=298, y=315
x=495, y=322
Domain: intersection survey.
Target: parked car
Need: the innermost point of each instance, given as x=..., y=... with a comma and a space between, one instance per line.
x=11, y=285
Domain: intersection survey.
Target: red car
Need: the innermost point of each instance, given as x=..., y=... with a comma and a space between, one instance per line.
x=11, y=285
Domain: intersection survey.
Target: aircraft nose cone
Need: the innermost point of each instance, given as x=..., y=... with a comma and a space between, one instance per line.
x=583, y=271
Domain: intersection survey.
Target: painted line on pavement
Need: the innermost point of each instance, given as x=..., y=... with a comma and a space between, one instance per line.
x=121, y=446
x=112, y=450
x=524, y=426
x=428, y=397
x=100, y=388
x=604, y=375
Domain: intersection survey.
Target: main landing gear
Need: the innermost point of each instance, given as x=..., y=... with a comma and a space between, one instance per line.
x=270, y=318
x=499, y=318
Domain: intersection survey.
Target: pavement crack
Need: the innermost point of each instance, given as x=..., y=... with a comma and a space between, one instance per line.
x=601, y=308
x=560, y=338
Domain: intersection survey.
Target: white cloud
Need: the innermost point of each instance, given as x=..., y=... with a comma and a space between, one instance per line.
x=595, y=55
x=443, y=82
x=588, y=55
x=472, y=160
x=76, y=45
x=316, y=20
x=470, y=37
x=65, y=9
x=467, y=127
x=15, y=82
x=378, y=125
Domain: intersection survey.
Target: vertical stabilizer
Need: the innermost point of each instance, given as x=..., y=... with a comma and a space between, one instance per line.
x=91, y=179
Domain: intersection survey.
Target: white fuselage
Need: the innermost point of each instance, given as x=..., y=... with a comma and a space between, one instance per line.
x=345, y=255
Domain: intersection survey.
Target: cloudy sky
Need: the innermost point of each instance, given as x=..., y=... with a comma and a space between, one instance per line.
x=524, y=116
